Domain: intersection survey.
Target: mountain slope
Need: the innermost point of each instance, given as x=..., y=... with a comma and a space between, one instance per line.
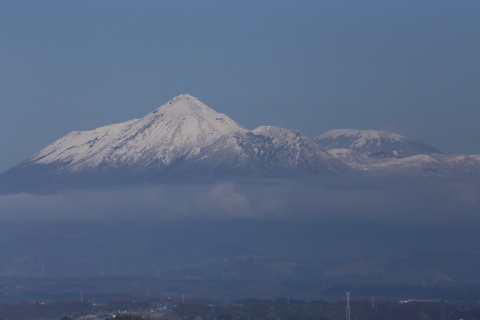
x=375, y=144
x=182, y=138
x=268, y=151
x=389, y=153
x=176, y=130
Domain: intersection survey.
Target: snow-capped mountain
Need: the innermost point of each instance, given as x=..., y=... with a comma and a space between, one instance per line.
x=177, y=130
x=268, y=151
x=183, y=137
x=373, y=143
x=390, y=153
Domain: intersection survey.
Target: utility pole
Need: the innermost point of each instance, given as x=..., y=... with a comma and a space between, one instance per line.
x=347, y=314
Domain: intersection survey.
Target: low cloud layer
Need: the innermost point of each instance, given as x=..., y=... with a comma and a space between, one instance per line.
x=135, y=229
x=432, y=201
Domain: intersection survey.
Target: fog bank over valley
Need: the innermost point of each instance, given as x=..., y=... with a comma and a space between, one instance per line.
x=409, y=201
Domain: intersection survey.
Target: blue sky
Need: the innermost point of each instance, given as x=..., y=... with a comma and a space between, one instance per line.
x=410, y=67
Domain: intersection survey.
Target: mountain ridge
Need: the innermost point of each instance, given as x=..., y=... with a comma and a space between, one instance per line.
x=374, y=143
x=173, y=130
x=182, y=138
x=386, y=153
x=186, y=139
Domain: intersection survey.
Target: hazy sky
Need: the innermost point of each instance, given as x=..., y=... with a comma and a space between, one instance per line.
x=411, y=67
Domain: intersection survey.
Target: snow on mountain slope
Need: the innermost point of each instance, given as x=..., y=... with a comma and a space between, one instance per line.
x=463, y=164
x=268, y=150
x=353, y=158
x=420, y=164
x=375, y=144
x=411, y=165
x=302, y=151
x=176, y=130
x=182, y=139
x=389, y=153
x=437, y=164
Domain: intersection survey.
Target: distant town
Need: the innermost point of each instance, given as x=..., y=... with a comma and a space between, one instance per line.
x=146, y=299
x=279, y=309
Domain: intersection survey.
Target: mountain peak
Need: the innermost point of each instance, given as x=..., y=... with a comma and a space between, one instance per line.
x=175, y=131
x=182, y=97
x=185, y=105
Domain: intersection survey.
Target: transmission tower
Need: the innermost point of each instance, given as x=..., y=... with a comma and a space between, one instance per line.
x=347, y=315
